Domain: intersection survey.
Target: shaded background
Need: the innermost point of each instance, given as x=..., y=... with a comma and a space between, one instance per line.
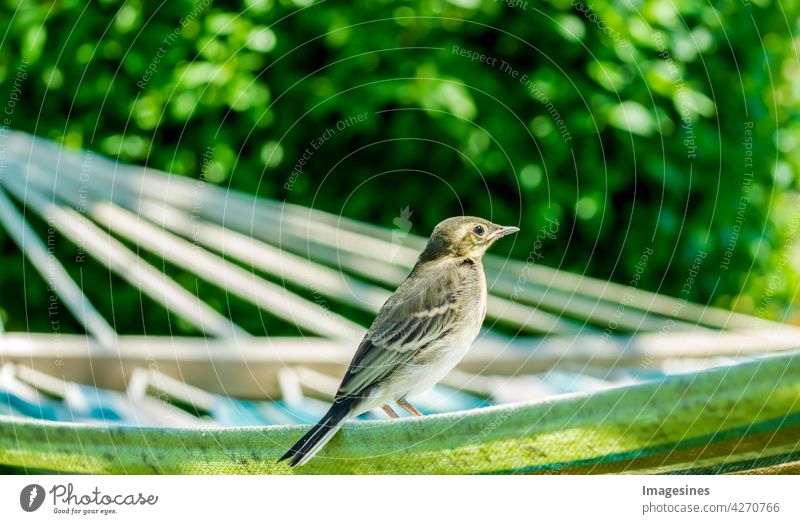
x=645, y=125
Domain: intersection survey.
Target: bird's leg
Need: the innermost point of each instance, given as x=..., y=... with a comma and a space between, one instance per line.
x=389, y=411
x=403, y=403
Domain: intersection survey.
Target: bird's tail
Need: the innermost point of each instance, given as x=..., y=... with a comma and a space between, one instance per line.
x=313, y=441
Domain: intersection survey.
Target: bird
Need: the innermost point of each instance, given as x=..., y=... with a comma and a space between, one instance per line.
x=419, y=334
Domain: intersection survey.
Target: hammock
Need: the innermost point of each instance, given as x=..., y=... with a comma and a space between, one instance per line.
x=658, y=385
x=729, y=419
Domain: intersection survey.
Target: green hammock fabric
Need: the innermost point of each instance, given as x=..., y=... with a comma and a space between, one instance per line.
x=740, y=418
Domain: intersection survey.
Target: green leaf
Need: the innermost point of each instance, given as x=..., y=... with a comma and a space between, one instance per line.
x=632, y=117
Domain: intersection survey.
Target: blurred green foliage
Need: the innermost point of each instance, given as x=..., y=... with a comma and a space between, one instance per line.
x=628, y=123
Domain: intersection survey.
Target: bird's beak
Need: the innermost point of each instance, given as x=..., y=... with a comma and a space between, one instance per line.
x=503, y=231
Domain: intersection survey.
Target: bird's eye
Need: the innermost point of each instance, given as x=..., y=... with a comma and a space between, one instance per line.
x=478, y=230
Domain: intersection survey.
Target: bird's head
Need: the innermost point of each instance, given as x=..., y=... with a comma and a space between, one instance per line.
x=459, y=237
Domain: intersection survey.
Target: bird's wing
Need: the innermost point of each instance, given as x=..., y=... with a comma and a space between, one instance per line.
x=422, y=310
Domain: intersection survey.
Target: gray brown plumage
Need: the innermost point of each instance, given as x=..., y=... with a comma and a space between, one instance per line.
x=419, y=334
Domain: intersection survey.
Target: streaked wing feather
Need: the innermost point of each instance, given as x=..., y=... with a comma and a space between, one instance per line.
x=420, y=312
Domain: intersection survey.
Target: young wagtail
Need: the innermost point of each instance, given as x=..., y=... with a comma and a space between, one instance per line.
x=420, y=334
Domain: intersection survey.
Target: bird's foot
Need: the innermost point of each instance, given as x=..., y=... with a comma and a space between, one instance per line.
x=389, y=411
x=403, y=403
